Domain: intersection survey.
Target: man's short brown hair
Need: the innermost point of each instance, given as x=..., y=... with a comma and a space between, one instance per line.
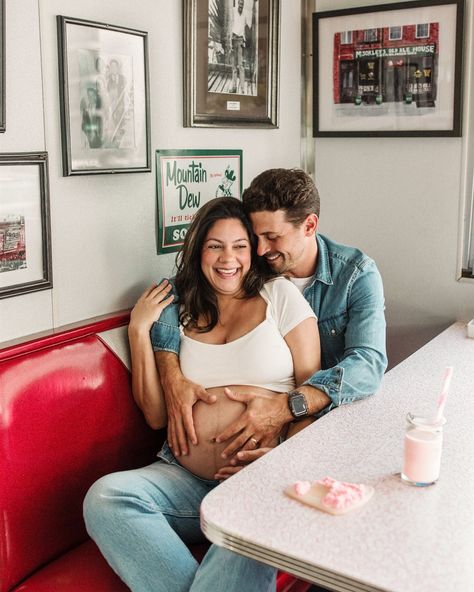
x=291, y=190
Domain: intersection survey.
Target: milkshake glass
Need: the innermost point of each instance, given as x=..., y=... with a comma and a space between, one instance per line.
x=422, y=450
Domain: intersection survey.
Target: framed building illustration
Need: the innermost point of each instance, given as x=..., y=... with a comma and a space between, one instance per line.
x=25, y=235
x=389, y=70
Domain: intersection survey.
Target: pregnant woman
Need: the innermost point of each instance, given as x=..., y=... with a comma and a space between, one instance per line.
x=239, y=329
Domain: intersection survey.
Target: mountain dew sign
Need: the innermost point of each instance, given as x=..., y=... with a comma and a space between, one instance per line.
x=186, y=180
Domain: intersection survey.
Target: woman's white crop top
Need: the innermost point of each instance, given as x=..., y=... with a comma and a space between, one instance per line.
x=259, y=358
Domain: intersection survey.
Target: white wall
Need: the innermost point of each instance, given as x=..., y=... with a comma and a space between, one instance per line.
x=103, y=226
x=400, y=200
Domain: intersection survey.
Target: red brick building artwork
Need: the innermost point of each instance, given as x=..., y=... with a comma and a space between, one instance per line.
x=387, y=64
x=12, y=244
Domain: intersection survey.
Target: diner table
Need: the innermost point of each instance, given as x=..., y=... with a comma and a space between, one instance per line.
x=406, y=538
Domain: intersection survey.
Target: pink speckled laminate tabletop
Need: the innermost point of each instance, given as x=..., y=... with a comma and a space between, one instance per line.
x=405, y=539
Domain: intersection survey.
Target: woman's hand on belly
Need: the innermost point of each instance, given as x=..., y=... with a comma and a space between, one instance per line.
x=240, y=461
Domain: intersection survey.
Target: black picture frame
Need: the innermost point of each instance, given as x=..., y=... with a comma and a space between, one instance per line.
x=231, y=79
x=2, y=66
x=104, y=98
x=392, y=70
x=25, y=227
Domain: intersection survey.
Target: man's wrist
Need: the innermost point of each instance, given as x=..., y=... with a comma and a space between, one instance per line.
x=298, y=405
x=286, y=414
x=316, y=399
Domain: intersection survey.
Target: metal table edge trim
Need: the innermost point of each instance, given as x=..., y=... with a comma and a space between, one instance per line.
x=300, y=569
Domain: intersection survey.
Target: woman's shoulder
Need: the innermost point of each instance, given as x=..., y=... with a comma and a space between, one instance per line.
x=280, y=286
x=286, y=304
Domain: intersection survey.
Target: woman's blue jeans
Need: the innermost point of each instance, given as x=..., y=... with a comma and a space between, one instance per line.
x=142, y=521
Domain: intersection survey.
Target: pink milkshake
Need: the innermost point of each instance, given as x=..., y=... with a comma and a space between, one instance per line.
x=423, y=446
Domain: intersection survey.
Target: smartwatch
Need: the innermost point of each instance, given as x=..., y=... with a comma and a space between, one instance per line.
x=297, y=404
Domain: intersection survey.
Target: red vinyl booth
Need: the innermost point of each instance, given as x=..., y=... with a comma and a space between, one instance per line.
x=67, y=417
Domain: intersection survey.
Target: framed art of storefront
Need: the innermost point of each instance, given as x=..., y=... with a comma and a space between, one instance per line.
x=25, y=238
x=104, y=94
x=388, y=70
x=231, y=63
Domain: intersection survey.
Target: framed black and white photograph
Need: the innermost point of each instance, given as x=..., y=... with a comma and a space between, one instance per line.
x=231, y=50
x=2, y=66
x=388, y=70
x=104, y=94
x=25, y=237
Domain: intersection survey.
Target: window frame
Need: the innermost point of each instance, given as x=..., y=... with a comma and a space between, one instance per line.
x=395, y=38
x=343, y=40
x=417, y=36
x=366, y=35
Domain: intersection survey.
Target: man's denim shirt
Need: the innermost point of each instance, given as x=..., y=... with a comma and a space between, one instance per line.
x=346, y=294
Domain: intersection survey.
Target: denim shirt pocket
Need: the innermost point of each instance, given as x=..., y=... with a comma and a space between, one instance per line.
x=332, y=334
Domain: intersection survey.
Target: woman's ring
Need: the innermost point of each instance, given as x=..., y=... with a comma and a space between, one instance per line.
x=255, y=441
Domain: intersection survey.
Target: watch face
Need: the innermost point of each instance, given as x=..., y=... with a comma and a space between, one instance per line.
x=298, y=405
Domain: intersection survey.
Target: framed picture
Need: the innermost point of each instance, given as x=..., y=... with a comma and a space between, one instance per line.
x=185, y=181
x=388, y=70
x=25, y=238
x=2, y=66
x=104, y=94
x=231, y=63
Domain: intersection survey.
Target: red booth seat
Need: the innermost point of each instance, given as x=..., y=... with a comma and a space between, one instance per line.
x=67, y=417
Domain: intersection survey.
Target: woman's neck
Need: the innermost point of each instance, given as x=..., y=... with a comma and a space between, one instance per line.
x=227, y=303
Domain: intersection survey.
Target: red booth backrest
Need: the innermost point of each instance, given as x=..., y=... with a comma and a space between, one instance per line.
x=66, y=418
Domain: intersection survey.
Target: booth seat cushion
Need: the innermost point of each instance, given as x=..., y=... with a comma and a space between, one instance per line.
x=81, y=570
x=66, y=418
x=85, y=570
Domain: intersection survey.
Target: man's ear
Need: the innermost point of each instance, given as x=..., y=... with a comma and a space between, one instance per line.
x=311, y=225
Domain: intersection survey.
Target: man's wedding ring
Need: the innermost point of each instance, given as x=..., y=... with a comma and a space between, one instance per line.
x=255, y=441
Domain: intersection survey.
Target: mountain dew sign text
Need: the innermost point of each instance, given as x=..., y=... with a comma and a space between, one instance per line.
x=186, y=180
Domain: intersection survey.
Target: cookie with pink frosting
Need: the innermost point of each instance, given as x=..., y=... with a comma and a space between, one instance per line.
x=331, y=496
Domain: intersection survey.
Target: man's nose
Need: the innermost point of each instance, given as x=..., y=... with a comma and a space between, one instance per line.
x=262, y=246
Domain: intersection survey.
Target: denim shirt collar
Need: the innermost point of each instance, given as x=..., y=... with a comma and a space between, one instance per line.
x=323, y=269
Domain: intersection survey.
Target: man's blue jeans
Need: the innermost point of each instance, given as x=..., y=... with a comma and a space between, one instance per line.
x=142, y=520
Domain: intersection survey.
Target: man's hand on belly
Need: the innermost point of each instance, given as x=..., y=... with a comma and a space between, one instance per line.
x=180, y=396
x=259, y=425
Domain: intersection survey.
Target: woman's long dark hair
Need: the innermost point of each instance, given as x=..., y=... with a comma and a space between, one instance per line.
x=196, y=295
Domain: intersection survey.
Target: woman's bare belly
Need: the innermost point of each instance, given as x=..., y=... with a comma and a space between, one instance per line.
x=205, y=459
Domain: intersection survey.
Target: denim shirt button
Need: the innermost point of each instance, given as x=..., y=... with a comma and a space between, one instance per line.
x=333, y=331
